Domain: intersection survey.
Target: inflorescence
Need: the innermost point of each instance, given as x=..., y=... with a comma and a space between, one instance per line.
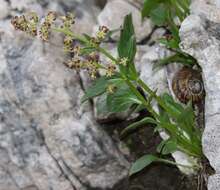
x=85, y=49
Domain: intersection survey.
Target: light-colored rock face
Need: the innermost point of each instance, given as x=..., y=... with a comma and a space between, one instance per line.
x=201, y=39
x=113, y=15
x=207, y=8
x=156, y=79
x=48, y=140
x=4, y=9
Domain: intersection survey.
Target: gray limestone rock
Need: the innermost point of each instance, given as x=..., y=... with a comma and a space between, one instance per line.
x=4, y=9
x=113, y=14
x=48, y=140
x=206, y=8
x=201, y=38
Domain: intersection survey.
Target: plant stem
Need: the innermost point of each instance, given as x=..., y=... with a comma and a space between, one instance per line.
x=141, y=98
x=84, y=40
x=68, y=32
x=107, y=54
x=151, y=92
x=177, y=164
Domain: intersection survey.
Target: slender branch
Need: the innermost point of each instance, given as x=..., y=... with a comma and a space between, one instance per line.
x=177, y=164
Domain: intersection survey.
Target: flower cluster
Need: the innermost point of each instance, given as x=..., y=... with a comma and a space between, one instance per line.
x=89, y=63
x=68, y=44
x=111, y=89
x=46, y=26
x=68, y=20
x=123, y=61
x=102, y=33
x=85, y=56
x=100, y=36
x=110, y=70
x=27, y=23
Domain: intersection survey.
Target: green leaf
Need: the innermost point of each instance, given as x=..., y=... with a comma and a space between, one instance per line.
x=172, y=108
x=127, y=47
x=185, y=6
x=121, y=100
x=131, y=48
x=138, y=124
x=160, y=146
x=169, y=127
x=127, y=33
x=178, y=57
x=188, y=125
x=172, y=43
x=172, y=26
x=171, y=59
x=97, y=88
x=164, y=115
x=141, y=163
x=148, y=6
x=159, y=15
x=101, y=104
x=139, y=108
x=131, y=55
x=167, y=147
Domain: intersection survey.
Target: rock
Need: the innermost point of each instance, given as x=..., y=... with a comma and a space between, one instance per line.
x=27, y=5
x=156, y=79
x=48, y=140
x=113, y=15
x=208, y=9
x=4, y=9
x=85, y=20
x=200, y=38
x=208, y=2
x=135, y=3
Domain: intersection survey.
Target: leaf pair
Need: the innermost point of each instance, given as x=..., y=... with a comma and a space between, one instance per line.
x=127, y=48
x=119, y=101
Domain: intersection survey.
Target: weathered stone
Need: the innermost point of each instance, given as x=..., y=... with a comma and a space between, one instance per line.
x=135, y=3
x=4, y=9
x=48, y=140
x=208, y=9
x=200, y=38
x=156, y=79
x=113, y=15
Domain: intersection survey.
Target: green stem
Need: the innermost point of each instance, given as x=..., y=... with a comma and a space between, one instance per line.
x=152, y=93
x=177, y=164
x=107, y=54
x=84, y=40
x=141, y=98
x=68, y=32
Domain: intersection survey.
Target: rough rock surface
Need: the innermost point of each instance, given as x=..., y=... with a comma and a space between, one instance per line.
x=4, y=9
x=201, y=38
x=156, y=79
x=47, y=139
x=207, y=8
x=113, y=14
